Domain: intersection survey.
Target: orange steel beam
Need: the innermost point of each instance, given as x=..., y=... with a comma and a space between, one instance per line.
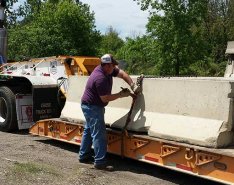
x=172, y=155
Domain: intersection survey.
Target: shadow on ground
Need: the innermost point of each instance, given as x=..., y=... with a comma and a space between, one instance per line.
x=138, y=167
x=20, y=132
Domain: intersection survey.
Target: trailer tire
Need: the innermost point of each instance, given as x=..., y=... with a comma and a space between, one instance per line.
x=7, y=110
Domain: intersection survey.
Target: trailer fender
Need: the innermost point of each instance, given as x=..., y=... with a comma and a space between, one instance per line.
x=8, y=121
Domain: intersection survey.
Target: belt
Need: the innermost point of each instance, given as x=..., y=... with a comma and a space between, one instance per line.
x=89, y=104
x=84, y=103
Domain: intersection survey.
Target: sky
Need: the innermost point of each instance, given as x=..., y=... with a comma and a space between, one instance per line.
x=125, y=16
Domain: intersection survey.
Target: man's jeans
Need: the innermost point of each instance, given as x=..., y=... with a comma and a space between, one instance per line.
x=94, y=133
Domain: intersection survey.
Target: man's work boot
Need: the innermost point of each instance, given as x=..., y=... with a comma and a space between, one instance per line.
x=103, y=167
x=88, y=160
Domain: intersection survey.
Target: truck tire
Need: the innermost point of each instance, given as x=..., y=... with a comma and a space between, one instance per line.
x=8, y=118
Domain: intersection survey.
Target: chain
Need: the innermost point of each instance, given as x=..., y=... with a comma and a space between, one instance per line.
x=139, y=80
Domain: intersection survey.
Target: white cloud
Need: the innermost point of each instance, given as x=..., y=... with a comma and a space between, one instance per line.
x=124, y=16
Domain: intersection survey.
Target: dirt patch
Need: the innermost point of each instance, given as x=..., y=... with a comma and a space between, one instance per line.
x=27, y=160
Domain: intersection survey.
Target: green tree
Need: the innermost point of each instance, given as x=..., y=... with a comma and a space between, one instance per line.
x=111, y=42
x=191, y=35
x=140, y=55
x=30, y=8
x=11, y=14
x=230, y=20
x=63, y=28
x=216, y=33
x=179, y=43
x=216, y=28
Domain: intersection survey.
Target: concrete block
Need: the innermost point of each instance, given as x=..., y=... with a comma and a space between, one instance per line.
x=72, y=109
x=192, y=130
x=193, y=110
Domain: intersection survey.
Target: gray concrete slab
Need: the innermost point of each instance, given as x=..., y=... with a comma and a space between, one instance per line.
x=191, y=110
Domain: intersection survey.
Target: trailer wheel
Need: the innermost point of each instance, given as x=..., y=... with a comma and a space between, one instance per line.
x=8, y=119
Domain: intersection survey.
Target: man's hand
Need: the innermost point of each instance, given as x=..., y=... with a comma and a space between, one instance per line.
x=125, y=92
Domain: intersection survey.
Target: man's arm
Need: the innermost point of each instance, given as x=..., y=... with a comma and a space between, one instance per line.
x=122, y=74
x=110, y=97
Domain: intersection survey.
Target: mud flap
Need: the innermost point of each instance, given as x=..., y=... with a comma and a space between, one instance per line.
x=45, y=104
x=24, y=111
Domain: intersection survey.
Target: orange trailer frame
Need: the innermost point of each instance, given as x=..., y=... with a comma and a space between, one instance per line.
x=212, y=164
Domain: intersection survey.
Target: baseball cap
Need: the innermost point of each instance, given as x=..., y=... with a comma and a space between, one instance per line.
x=108, y=58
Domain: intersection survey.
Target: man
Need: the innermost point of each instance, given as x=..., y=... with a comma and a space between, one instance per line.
x=96, y=96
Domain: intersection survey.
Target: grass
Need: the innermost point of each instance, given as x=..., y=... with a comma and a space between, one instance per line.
x=32, y=173
x=33, y=168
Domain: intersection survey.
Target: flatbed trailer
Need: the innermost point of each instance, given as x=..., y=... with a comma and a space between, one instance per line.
x=24, y=87
x=209, y=163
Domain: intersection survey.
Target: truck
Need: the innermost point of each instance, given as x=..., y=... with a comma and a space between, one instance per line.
x=25, y=85
x=183, y=124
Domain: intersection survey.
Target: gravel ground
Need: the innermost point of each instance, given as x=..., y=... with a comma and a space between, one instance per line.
x=26, y=159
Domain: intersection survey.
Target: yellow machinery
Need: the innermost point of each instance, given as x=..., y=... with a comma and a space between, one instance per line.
x=80, y=65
